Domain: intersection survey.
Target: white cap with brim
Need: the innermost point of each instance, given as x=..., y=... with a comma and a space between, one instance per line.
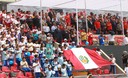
x=65, y=39
x=59, y=66
x=73, y=42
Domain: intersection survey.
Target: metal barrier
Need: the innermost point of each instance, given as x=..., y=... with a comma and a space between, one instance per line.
x=100, y=76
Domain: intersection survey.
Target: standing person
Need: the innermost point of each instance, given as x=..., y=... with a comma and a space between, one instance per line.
x=111, y=38
x=67, y=19
x=112, y=66
x=64, y=71
x=4, y=56
x=84, y=36
x=46, y=28
x=101, y=39
x=125, y=25
x=18, y=55
x=73, y=35
x=37, y=68
x=58, y=35
x=69, y=68
x=124, y=58
x=126, y=70
x=36, y=21
x=49, y=73
x=109, y=26
x=65, y=42
x=43, y=38
x=97, y=26
x=90, y=37
x=125, y=40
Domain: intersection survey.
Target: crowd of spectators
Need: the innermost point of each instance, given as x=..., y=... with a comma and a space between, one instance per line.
x=24, y=41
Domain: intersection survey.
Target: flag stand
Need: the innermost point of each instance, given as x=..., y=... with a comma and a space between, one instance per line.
x=115, y=63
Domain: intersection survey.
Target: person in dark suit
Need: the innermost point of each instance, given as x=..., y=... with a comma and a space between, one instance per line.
x=58, y=35
x=90, y=23
x=36, y=21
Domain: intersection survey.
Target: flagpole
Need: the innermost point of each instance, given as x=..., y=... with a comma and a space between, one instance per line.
x=121, y=17
x=115, y=63
x=77, y=31
x=86, y=16
x=41, y=14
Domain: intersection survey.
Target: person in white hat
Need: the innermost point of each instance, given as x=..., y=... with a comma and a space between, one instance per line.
x=65, y=42
x=72, y=45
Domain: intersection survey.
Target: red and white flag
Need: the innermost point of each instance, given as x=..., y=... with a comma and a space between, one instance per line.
x=83, y=58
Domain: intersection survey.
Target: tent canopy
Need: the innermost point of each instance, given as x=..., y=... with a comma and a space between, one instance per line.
x=112, y=5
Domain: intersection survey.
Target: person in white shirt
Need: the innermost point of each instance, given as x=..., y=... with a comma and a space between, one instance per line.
x=125, y=40
x=4, y=56
x=24, y=65
x=43, y=37
x=30, y=45
x=65, y=42
x=22, y=44
x=112, y=66
x=2, y=41
x=65, y=47
x=46, y=28
x=18, y=55
x=35, y=52
x=64, y=71
x=49, y=72
x=60, y=58
x=46, y=64
x=126, y=70
x=111, y=38
x=65, y=61
x=37, y=68
x=54, y=27
x=69, y=68
x=12, y=40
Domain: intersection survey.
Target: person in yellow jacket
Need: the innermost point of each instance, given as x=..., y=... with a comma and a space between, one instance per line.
x=84, y=36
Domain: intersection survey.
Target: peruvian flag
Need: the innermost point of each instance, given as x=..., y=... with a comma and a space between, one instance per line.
x=83, y=58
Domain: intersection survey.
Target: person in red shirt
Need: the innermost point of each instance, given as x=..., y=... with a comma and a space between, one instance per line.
x=7, y=20
x=90, y=37
x=1, y=18
x=61, y=27
x=97, y=26
x=109, y=26
x=125, y=25
x=67, y=19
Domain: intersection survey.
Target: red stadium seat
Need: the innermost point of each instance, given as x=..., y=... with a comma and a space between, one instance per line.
x=29, y=74
x=3, y=75
x=99, y=71
x=20, y=75
x=14, y=69
x=5, y=69
x=93, y=72
x=106, y=71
